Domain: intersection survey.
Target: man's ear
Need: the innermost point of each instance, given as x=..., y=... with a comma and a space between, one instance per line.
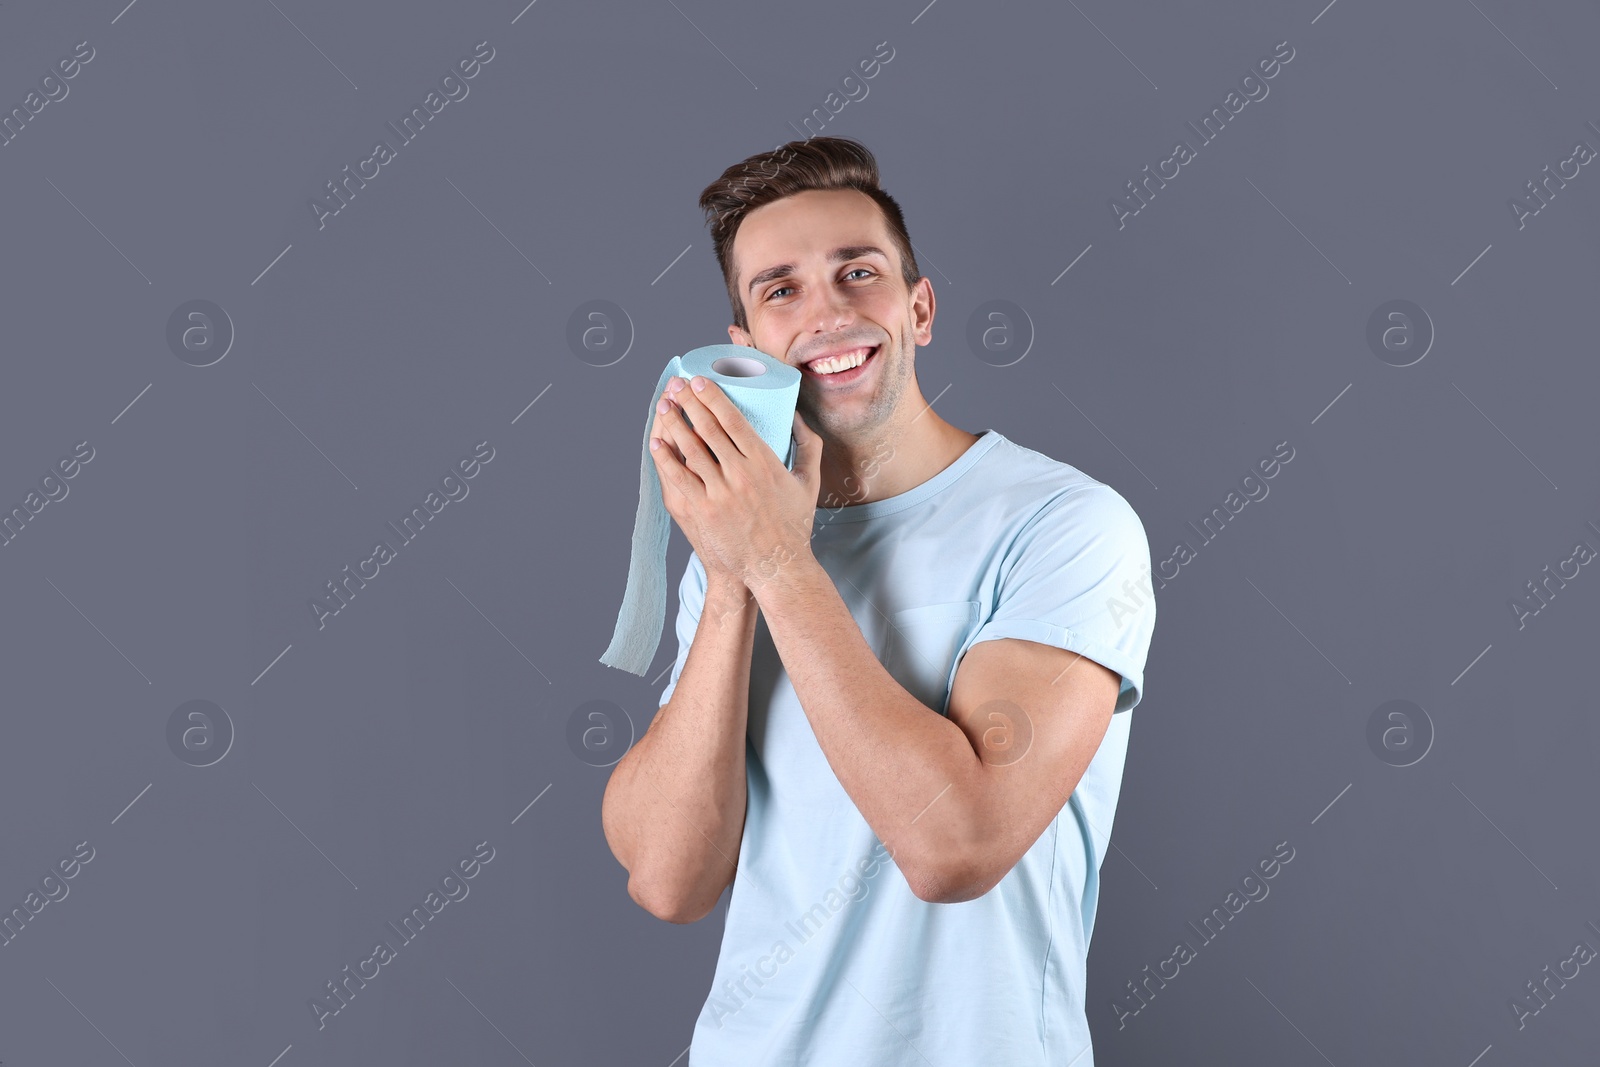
x=739, y=337
x=923, y=307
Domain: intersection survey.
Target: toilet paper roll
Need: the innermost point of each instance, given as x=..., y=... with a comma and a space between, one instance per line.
x=765, y=390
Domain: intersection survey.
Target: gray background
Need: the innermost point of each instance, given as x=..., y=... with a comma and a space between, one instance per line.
x=371, y=755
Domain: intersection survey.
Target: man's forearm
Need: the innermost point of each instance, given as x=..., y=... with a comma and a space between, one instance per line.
x=912, y=773
x=674, y=807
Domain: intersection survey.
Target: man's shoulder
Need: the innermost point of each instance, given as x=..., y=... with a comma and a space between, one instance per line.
x=1025, y=480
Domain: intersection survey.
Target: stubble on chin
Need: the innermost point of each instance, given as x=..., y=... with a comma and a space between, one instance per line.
x=891, y=381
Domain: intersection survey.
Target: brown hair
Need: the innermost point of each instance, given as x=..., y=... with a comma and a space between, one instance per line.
x=815, y=163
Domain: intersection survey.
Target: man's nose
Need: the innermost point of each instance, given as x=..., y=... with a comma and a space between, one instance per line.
x=832, y=312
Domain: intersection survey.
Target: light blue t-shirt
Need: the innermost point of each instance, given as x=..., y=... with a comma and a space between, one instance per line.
x=828, y=959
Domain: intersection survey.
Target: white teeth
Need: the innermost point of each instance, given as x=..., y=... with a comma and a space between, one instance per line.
x=838, y=363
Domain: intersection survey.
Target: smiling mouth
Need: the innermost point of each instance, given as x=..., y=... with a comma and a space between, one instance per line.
x=845, y=375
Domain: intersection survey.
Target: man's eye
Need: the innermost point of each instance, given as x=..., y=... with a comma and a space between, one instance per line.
x=854, y=270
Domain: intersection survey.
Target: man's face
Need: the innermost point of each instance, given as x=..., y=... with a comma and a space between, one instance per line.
x=818, y=275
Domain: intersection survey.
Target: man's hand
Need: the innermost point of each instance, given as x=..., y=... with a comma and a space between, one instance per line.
x=745, y=514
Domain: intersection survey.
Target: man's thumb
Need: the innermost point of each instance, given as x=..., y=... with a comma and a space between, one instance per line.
x=807, y=450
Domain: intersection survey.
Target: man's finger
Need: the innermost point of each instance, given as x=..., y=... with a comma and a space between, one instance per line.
x=691, y=448
x=709, y=427
x=658, y=428
x=731, y=419
x=671, y=471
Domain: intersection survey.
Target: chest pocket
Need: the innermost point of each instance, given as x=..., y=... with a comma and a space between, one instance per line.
x=920, y=649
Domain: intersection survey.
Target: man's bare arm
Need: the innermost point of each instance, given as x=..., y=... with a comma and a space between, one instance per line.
x=955, y=819
x=674, y=808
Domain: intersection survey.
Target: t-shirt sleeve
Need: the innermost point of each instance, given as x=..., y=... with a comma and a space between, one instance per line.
x=1078, y=577
x=691, y=598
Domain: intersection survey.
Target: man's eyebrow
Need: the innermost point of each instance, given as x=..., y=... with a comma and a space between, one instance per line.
x=838, y=255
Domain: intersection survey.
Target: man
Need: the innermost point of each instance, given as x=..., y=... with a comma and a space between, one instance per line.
x=897, y=723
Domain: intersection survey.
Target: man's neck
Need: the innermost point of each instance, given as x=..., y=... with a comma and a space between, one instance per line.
x=891, y=462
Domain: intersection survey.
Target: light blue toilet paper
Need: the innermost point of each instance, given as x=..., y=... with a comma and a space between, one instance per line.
x=765, y=391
